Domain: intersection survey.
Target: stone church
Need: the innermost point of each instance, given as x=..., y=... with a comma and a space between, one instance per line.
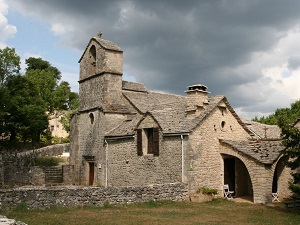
x=127, y=135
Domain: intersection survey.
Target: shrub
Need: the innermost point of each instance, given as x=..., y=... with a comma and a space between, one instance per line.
x=207, y=190
x=47, y=161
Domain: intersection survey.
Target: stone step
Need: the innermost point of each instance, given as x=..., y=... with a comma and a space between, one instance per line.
x=53, y=175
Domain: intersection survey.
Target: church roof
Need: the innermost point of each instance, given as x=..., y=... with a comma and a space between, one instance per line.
x=263, y=151
x=168, y=110
x=263, y=131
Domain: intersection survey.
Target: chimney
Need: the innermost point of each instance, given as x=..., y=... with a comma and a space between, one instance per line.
x=196, y=99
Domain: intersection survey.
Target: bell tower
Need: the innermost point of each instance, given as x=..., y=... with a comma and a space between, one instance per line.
x=101, y=70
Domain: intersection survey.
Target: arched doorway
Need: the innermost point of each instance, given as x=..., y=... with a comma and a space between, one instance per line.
x=279, y=184
x=236, y=175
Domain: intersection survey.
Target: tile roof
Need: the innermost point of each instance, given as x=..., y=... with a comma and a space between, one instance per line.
x=263, y=151
x=263, y=131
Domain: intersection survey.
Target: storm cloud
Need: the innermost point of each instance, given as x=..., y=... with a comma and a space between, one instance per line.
x=232, y=47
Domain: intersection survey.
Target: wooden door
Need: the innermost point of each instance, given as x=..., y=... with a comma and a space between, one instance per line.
x=91, y=173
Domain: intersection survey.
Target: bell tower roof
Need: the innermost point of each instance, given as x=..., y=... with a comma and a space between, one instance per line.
x=107, y=45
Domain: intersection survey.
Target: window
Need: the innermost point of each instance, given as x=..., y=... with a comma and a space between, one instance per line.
x=91, y=116
x=148, y=141
x=93, y=59
x=52, y=128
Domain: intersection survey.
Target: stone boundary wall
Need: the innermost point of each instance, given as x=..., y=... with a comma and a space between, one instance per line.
x=72, y=196
x=15, y=169
x=51, y=150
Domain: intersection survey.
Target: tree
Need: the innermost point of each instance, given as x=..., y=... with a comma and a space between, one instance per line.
x=291, y=141
x=9, y=67
x=26, y=114
x=64, y=98
x=27, y=101
x=9, y=64
x=284, y=118
x=288, y=115
x=40, y=64
x=58, y=96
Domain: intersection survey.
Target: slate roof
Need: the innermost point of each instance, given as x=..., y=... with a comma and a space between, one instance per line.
x=168, y=110
x=263, y=131
x=263, y=151
x=132, y=86
x=105, y=44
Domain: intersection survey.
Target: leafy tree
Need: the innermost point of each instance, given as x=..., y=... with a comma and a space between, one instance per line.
x=57, y=96
x=9, y=67
x=26, y=114
x=9, y=64
x=291, y=140
x=26, y=101
x=288, y=115
x=284, y=118
x=40, y=64
x=64, y=98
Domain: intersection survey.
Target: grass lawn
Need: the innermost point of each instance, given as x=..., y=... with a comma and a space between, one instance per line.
x=167, y=212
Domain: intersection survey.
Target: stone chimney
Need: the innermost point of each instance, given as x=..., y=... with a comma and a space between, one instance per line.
x=196, y=100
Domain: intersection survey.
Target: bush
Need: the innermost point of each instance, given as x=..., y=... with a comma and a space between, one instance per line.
x=206, y=190
x=47, y=161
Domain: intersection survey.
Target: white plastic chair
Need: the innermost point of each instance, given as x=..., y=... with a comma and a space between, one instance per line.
x=275, y=197
x=227, y=192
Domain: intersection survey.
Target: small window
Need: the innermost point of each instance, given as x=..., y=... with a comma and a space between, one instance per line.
x=223, y=126
x=148, y=141
x=91, y=116
x=52, y=128
x=93, y=59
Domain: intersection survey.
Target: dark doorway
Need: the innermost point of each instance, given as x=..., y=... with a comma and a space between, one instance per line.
x=229, y=173
x=275, y=183
x=91, y=173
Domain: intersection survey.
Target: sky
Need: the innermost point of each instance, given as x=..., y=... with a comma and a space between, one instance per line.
x=248, y=51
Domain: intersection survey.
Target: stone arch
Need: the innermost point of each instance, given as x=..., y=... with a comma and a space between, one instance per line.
x=250, y=166
x=281, y=175
x=237, y=176
x=92, y=58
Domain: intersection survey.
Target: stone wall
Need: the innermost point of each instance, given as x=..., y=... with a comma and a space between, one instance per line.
x=72, y=196
x=127, y=168
x=18, y=169
x=205, y=159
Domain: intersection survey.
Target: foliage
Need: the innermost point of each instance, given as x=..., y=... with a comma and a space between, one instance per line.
x=27, y=100
x=207, y=190
x=9, y=64
x=291, y=141
x=65, y=119
x=285, y=118
x=288, y=115
x=57, y=140
x=47, y=161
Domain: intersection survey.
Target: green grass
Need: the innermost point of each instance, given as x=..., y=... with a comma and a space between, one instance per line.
x=160, y=212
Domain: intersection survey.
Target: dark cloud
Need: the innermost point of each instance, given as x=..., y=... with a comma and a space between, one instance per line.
x=294, y=62
x=169, y=45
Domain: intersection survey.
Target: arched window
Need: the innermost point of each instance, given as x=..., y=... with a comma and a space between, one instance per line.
x=93, y=59
x=91, y=116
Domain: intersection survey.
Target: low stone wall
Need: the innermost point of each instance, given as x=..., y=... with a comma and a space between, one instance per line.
x=51, y=150
x=16, y=168
x=71, y=196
